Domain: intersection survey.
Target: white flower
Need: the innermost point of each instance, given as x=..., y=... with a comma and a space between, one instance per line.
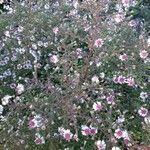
x=148, y=41
x=102, y=75
x=7, y=33
x=97, y=106
x=54, y=59
x=5, y=99
x=45, y=44
x=115, y=148
x=143, y=95
x=120, y=119
x=20, y=88
x=95, y=79
x=20, y=29
x=34, y=46
x=1, y=1
x=73, y=12
x=1, y=109
x=98, y=64
x=39, y=43
x=2, y=118
x=32, y=38
x=39, y=120
x=125, y=134
x=60, y=130
x=147, y=120
x=46, y=6
x=101, y=145
x=75, y=4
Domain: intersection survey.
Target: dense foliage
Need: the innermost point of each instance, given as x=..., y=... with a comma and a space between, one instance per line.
x=73, y=75
x=141, y=11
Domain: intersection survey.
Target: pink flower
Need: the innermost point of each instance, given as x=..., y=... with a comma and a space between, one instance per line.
x=97, y=106
x=121, y=79
x=36, y=122
x=126, y=3
x=127, y=142
x=88, y=130
x=123, y=57
x=85, y=130
x=130, y=81
x=119, y=18
x=122, y=134
x=143, y=112
x=98, y=43
x=110, y=99
x=93, y=131
x=115, y=79
x=32, y=124
x=119, y=133
x=39, y=140
x=143, y=54
x=67, y=135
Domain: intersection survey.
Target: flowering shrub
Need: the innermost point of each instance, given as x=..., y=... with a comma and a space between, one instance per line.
x=73, y=76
